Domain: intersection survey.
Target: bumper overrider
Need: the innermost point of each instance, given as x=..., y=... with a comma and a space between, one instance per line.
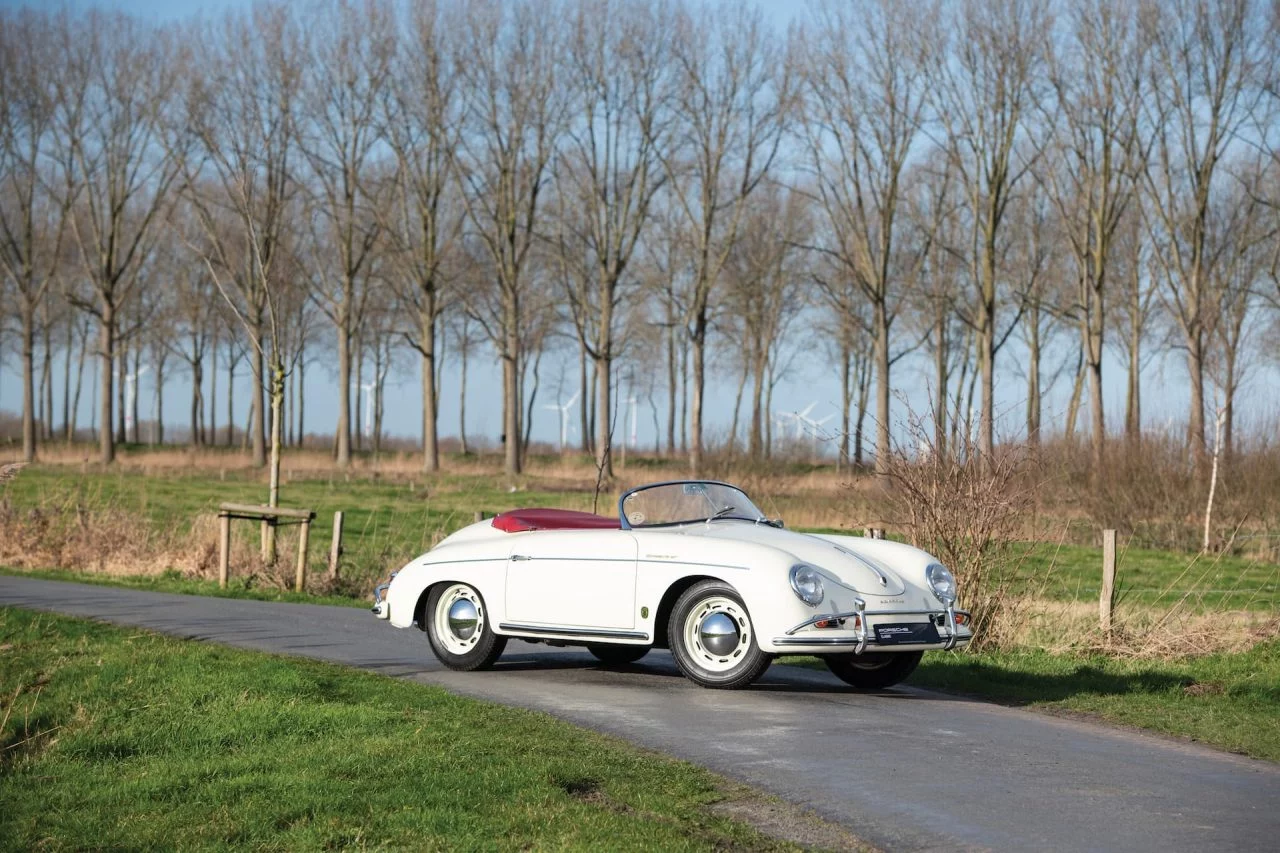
x=853, y=630
x=381, y=608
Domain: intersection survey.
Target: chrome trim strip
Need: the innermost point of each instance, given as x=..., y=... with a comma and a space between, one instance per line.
x=542, y=630
x=854, y=641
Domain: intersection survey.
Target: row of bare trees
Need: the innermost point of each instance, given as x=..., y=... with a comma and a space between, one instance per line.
x=673, y=180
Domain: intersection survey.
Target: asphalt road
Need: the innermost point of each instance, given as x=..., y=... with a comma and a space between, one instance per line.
x=905, y=769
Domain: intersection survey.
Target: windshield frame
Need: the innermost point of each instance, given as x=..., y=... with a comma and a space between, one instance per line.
x=626, y=525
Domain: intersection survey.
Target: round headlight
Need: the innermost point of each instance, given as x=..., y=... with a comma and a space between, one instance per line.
x=942, y=582
x=807, y=584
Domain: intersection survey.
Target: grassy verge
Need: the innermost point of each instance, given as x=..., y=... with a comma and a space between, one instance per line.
x=1231, y=701
x=123, y=739
x=174, y=581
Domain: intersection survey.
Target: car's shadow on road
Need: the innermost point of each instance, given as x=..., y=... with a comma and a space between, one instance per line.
x=659, y=668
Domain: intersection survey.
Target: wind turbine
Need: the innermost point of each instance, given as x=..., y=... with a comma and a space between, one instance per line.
x=564, y=409
x=368, y=407
x=130, y=394
x=815, y=427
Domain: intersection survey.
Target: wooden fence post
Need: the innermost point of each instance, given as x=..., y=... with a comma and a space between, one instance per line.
x=300, y=577
x=335, y=545
x=224, y=549
x=1106, y=601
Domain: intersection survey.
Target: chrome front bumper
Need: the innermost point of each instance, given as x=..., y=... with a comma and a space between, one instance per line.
x=861, y=638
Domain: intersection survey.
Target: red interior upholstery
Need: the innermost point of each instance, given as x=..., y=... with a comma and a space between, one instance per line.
x=519, y=520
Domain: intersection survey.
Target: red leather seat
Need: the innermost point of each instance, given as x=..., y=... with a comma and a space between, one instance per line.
x=520, y=520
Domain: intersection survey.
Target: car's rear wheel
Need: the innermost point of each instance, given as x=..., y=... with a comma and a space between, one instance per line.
x=712, y=639
x=874, y=670
x=458, y=628
x=616, y=654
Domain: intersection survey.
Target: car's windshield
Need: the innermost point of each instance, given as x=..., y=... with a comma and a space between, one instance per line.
x=681, y=503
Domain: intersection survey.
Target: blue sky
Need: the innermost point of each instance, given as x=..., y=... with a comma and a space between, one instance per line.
x=811, y=381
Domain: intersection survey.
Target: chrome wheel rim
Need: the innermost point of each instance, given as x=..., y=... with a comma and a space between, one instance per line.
x=459, y=619
x=717, y=633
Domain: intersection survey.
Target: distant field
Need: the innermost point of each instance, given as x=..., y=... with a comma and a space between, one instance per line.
x=396, y=513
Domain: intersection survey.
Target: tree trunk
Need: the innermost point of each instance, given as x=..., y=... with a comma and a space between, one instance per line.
x=462, y=400
x=66, y=372
x=28, y=383
x=1073, y=407
x=882, y=391
x=197, y=379
x=584, y=388
x=106, y=354
x=511, y=388
x=672, y=384
x=699, y=388
x=75, y=399
x=1033, y=378
x=231, y=402
x=257, y=425
x=986, y=424
x=159, y=424
x=343, y=438
x=604, y=416
x=864, y=391
x=846, y=401
x=755, y=440
x=302, y=401
x=430, y=443
x=211, y=437
x=122, y=365
x=942, y=378
x=46, y=378
x=1195, y=421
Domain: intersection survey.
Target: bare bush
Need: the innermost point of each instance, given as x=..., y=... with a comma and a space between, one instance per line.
x=966, y=508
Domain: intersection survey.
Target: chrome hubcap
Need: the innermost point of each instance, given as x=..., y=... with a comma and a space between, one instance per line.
x=458, y=622
x=463, y=619
x=719, y=634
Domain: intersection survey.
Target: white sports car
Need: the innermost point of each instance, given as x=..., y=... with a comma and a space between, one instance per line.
x=692, y=566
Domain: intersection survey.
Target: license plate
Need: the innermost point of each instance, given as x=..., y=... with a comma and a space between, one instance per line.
x=907, y=632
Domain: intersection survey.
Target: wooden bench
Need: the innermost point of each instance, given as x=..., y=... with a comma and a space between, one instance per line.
x=270, y=517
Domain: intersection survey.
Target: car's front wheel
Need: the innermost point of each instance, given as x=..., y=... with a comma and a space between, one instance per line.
x=874, y=670
x=617, y=654
x=458, y=628
x=712, y=639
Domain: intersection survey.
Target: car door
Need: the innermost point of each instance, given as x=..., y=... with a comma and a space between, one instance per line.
x=573, y=578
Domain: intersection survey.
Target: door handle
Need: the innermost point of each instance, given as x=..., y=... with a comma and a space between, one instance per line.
x=515, y=557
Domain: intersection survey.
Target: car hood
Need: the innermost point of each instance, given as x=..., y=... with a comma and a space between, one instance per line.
x=862, y=572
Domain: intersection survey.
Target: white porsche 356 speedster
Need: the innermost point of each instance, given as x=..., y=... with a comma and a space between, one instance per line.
x=692, y=566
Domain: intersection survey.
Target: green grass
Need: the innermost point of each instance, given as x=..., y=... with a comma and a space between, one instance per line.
x=1147, y=577
x=174, y=581
x=124, y=739
x=1231, y=701
x=387, y=523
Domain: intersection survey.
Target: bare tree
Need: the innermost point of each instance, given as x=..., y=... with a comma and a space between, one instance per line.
x=609, y=173
x=35, y=189
x=732, y=97
x=764, y=290
x=865, y=110
x=1205, y=60
x=345, y=75
x=1098, y=79
x=118, y=74
x=421, y=123
x=984, y=76
x=515, y=111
